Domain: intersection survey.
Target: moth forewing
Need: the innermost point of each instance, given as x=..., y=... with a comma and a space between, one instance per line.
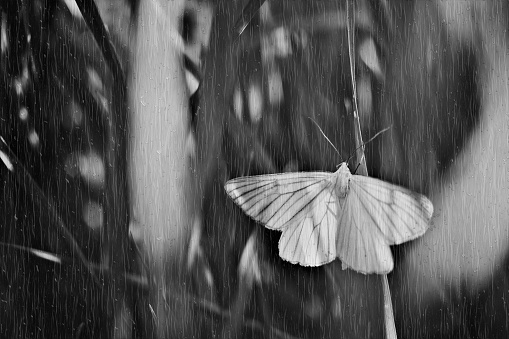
x=278, y=200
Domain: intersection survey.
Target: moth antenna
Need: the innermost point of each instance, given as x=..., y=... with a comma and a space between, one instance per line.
x=325, y=137
x=356, y=168
x=371, y=139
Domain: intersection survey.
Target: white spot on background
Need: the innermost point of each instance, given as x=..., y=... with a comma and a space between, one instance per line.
x=348, y=105
x=238, y=102
x=18, y=87
x=275, y=85
x=94, y=80
x=192, y=82
x=33, y=138
x=4, y=43
x=21, y=82
x=7, y=162
x=93, y=215
x=369, y=55
x=276, y=44
x=91, y=168
x=282, y=43
x=255, y=102
x=23, y=114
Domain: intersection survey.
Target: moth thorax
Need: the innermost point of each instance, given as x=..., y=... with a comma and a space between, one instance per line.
x=343, y=177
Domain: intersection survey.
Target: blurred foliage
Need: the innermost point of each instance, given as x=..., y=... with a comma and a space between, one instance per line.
x=250, y=113
x=59, y=110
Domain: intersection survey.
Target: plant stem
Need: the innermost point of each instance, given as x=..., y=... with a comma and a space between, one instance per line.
x=390, y=328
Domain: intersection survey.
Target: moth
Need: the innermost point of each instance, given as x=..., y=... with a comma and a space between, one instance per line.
x=324, y=216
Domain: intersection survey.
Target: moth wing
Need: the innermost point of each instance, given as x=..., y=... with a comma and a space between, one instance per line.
x=312, y=240
x=374, y=215
x=398, y=213
x=278, y=200
x=360, y=245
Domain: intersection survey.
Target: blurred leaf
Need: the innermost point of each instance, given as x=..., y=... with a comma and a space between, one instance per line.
x=95, y=23
x=368, y=54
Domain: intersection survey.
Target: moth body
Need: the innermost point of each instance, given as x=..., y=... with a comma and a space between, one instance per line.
x=342, y=179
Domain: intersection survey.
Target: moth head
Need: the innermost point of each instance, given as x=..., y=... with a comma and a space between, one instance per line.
x=343, y=167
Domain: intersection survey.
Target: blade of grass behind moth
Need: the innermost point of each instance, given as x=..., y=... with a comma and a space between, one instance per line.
x=247, y=15
x=134, y=281
x=390, y=326
x=96, y=25
x=350, y=25
x=25, y=180
x=198, y=265
x=249, y=275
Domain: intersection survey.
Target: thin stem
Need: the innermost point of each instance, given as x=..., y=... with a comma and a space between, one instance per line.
x=248, y=12
x=390, y=328
x=350, y=18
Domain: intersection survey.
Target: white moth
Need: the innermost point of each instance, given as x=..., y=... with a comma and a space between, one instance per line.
x=326, y=215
